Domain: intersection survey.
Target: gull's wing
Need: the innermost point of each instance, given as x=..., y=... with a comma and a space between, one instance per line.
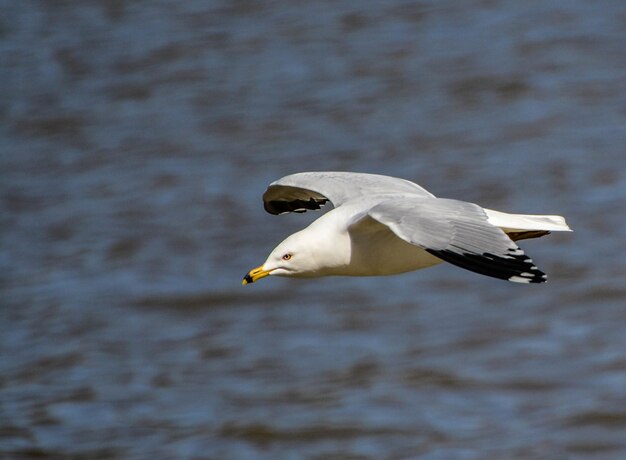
x=310, y=190
x=459, y=233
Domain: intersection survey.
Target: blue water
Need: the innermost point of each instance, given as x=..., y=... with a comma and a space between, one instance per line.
x=136, y=142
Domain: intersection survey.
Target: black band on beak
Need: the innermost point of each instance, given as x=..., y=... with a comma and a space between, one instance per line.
x=248, y=278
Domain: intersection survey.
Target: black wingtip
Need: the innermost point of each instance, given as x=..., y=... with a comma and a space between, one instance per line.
x=515, y=266
x=282, y=206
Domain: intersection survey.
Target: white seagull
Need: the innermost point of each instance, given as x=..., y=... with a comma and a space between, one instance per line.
x=383, y=225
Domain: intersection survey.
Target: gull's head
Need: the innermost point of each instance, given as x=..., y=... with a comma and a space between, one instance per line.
x=304, y=254
x=292, y=257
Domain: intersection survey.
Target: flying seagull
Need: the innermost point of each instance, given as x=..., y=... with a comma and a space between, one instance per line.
x=383, y=225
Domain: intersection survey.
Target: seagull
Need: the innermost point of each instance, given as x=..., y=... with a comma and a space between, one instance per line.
x=382, y=225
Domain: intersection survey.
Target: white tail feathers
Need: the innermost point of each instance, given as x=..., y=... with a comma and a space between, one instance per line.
x=515, y=222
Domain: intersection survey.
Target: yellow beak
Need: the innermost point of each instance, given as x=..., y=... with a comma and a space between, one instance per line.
x=254, y=275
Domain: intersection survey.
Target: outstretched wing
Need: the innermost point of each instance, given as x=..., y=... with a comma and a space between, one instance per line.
x=311, y=190
x=459, y=233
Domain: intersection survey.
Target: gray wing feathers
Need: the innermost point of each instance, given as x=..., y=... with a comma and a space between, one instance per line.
x=459, y=233
x=310, y=190
x=435, y=224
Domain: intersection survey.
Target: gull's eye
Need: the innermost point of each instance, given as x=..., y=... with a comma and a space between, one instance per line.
x=287, y=256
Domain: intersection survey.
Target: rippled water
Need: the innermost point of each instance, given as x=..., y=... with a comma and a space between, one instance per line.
x=137, y=139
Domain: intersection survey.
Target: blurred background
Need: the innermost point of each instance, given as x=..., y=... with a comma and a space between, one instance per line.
x=136, y=141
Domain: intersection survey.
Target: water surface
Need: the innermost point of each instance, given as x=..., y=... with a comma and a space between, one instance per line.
x=137, y=139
